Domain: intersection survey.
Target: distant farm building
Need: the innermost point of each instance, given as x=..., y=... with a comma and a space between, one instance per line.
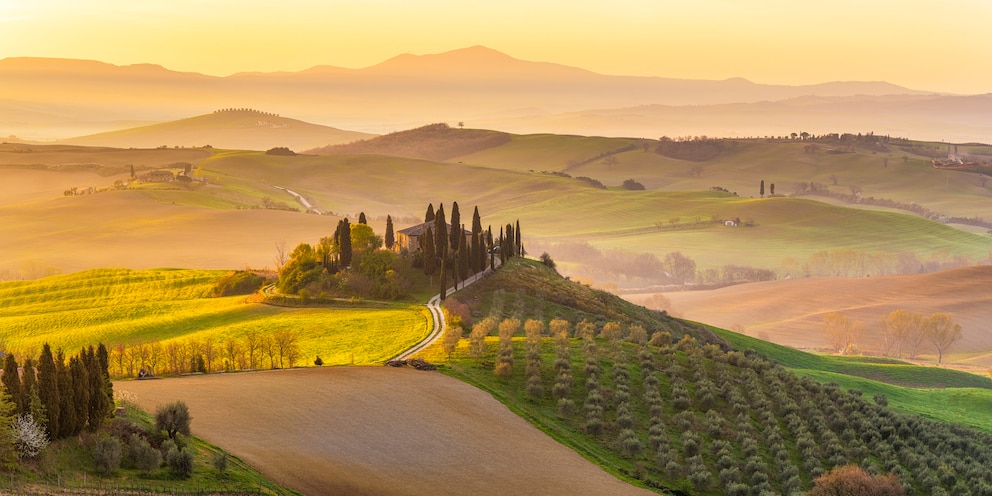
x=409, y=239
x=159, y=176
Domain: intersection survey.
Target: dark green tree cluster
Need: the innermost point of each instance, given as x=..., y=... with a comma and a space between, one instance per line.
x=451, y=251
x=65, y=397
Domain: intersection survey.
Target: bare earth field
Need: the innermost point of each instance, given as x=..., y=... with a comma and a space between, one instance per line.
x=377, y=431
x=790, y=312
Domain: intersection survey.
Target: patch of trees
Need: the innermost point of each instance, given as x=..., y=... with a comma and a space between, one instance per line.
x=51, y=398
x=433, y=142
x=856, y=196
x=592, y=182
x=695, y=149
x=280, y=151
x=349, y=263
x=852, y=263
x=253, y=350
x=609, y=157
x=632, y=185
x=239, y=282
x=905, y=331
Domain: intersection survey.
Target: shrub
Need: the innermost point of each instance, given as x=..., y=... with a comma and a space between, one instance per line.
x=850, y=479
x=143, y=455
x=220, y=462
x=173, y=418
x=565, y=407
x=107, y=455
x=180, y=462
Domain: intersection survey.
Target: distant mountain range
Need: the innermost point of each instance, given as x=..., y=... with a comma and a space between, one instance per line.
x=56, y=98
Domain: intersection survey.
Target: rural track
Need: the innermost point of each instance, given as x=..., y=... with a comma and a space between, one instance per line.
x=439, y=323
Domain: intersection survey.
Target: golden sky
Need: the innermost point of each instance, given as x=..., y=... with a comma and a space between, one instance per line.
x=922, y=44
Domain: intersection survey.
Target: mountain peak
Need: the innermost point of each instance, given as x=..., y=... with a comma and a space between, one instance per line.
x=469, y=62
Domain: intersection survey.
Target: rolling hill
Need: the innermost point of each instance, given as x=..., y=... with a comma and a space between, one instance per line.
x=242, y=129
x=790, y=312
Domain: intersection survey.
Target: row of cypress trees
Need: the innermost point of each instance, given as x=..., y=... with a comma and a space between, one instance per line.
x=460, y=260
x=63, y=396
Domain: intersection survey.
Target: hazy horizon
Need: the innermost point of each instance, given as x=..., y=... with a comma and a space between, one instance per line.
x=769, y=42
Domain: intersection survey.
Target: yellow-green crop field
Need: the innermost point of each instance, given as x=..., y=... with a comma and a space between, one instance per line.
x=168, y=305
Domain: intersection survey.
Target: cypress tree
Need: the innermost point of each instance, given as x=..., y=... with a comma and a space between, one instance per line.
x=508, y=245
x=761, y=189
x=456, y=222
x=104, y=360
x=517, y=244
x=429, y=253
x=390, y=238
x=344, y=242
x=8, y=414
x=67, y=413
x=361, y=218
x=429, y=216
x=463, y=257
x=441, y=247
x=99, y=405
x=48, y=390
x=29, y=385
x=12, y=382
x=489, y=247
x=478, y=254
x=502, y=246
x=80, y=393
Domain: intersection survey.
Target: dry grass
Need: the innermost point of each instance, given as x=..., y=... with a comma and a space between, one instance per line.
x=376, y=430
x=790, y=312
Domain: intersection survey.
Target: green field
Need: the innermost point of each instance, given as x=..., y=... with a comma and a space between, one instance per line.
x=148, y=306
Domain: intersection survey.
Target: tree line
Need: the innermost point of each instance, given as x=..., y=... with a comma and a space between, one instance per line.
x=902, y=332
x=254, y=350
x=444, y=249
x=52, y=398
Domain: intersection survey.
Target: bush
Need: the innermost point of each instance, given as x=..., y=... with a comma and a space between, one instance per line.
x=850, y=479
x=632, y=185
x=181, y=462
x=107, y=455
x=546, y=260
x=143, y=455
x=220, y=462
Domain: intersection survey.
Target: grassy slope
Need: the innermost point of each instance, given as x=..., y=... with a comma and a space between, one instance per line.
x=935, y=393
x=119, y=305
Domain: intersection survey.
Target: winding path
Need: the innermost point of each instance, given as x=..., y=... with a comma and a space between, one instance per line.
x=439, y=323
x=299, y=198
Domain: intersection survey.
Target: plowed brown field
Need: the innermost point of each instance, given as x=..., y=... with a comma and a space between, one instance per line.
x=377, y=431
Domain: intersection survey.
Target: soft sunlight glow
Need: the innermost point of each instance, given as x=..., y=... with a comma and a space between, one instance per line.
x=912, y=43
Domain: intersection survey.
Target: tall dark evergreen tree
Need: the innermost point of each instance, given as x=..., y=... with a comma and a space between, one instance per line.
x=390, y=237
x=501, y=242
x=508, y=245
x=361, y=218
x=429, y=216
x=489, y=248
x=80, y=393
x=29, y=384
x=478, y=254
x=441, y=245
x=429, y=254
x=464, y=257
x=344, y=243
x=99, y=403
x=518, y=245
x=48, y=390
x=12, y=382
x=761, y=189
x=771, y=189
x=456, y=231
x=67, y=412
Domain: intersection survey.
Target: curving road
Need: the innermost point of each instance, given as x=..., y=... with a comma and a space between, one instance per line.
x=437, y=315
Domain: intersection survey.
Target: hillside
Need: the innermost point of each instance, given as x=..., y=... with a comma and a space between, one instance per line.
x=790, y=312
x=226, y=213
x=431, y=142
x=698, y=419
x=241, y=129
x=175, y=311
